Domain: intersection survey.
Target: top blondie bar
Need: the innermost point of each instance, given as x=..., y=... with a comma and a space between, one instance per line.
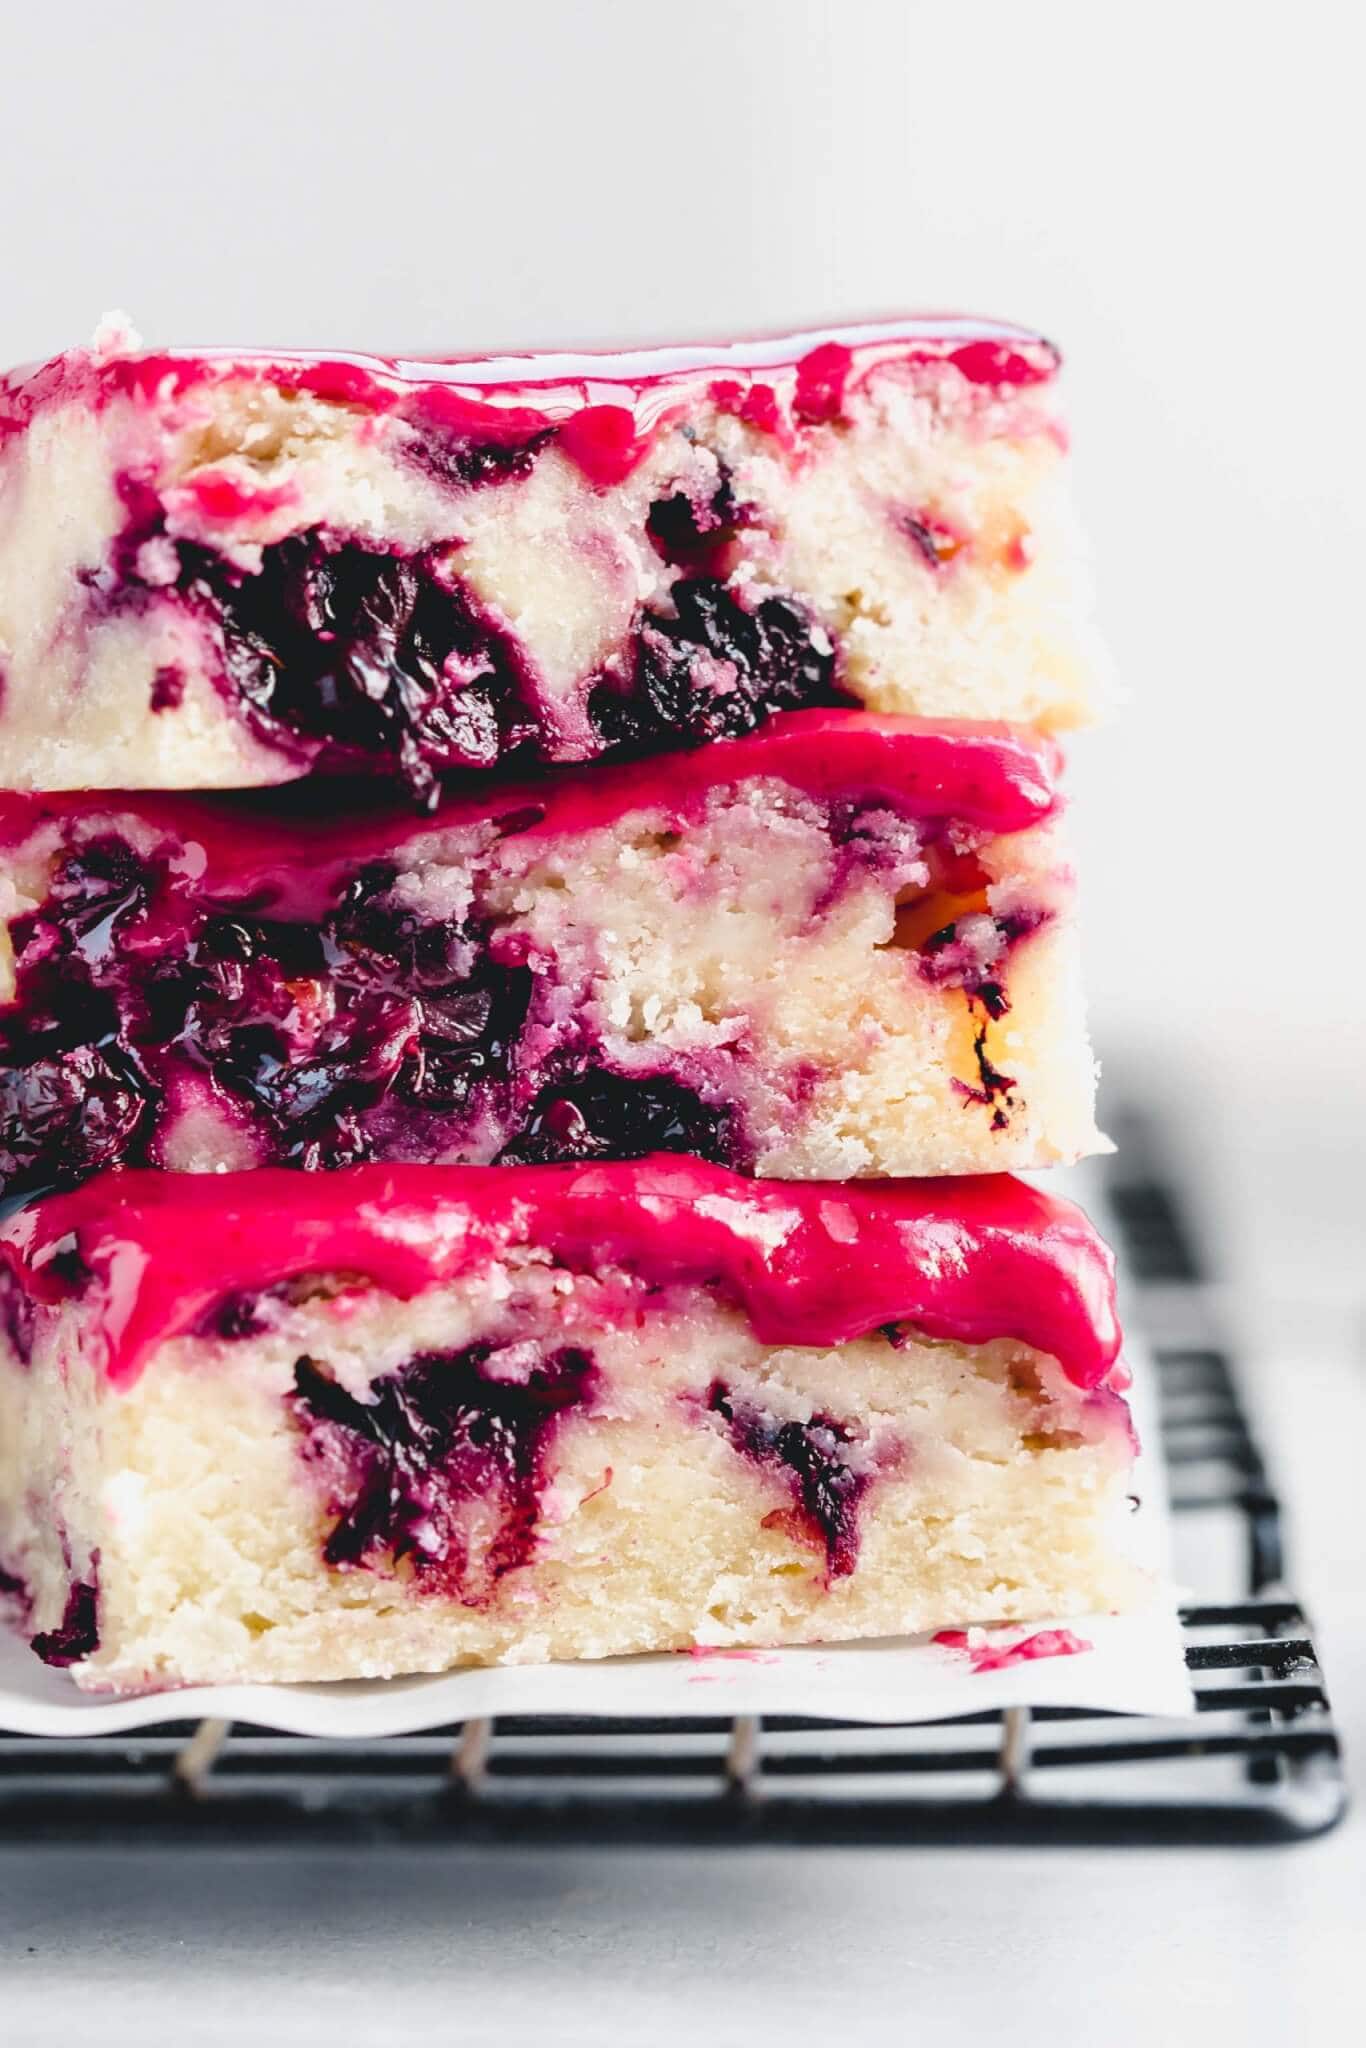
x=225, y=568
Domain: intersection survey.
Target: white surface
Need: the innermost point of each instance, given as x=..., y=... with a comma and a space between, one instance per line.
x=584, y=1948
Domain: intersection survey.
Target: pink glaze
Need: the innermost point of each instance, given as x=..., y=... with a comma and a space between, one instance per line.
x=821, y=379
x=602, y=442
x=992, y=778
x=803, y=379
x=218, y=499
x=756, y=404
x=729, y=1655
x=809, y=1263
x=989, y=1656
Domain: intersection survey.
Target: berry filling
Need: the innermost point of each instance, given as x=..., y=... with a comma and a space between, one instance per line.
x=374, y=1033
x=993, y=1088
x=463, y=461
x=16, y=1316
x=696, y=531
x=367, y=655
x=77, y=1634
x=715, y=669
x=376, y=655
x=16, y=1602
x=439, y=1473
x=823, y=1463
x=616, y=1116
x=936, y=541
x=962, y=943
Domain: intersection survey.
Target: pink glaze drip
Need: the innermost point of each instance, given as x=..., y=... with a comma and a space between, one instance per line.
x=989, y=1656
x=809, y=1263
x=602, y=442
x=997, y=362
x=995, y=779
x=802, y=378
x=821, y=379
x=756, y=404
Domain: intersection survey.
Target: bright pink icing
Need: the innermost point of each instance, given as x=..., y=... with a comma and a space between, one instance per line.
x=996, y=779
x=605, y=408
x=219, y=500
x=756, y=404
x=821, y=379
x=603, y=441
x=997, y=1656
x=809, y=1263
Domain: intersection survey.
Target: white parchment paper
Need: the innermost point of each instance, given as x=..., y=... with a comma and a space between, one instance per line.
x=1134, y=1665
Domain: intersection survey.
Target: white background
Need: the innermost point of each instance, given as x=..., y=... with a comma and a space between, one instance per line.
x=1174, y=191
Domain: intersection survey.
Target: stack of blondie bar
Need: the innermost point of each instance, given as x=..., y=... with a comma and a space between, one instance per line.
x=535, y=928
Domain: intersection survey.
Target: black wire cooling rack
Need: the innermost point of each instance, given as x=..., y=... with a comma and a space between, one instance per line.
x=1258, y=1760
